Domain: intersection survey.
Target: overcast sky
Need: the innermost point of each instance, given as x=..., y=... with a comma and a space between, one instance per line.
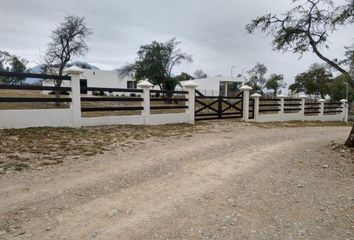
x=212, y=31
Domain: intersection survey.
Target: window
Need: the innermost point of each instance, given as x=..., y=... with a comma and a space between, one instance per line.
x=83, y=84
x=131, y=84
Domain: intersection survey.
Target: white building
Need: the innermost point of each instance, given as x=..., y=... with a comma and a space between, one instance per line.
x=211, y=86
x=100, y=79
x=215, y=86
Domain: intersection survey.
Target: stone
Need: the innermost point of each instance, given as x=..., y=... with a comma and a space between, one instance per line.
x=113, y=213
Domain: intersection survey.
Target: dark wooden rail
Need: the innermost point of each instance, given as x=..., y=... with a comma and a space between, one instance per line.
x=33, y=75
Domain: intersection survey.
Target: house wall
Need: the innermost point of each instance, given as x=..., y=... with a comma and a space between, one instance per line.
x=97, y=78
x=211, y=86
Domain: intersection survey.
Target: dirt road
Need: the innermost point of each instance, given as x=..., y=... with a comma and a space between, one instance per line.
x=230, y=181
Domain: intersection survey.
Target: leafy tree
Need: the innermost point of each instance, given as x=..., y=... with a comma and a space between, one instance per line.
x=257, y=77
x=12, y=63
x=67, y=40
x=199, y=74
x=307, y=27
x=4, y=56
x=275, y=82
x=315, y=81
x=338, y=89
x=155, y=63
x=18, y=65
x=183, y=77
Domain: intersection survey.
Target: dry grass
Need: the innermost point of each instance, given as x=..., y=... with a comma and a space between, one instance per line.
x=295, y=124
x=32, y=147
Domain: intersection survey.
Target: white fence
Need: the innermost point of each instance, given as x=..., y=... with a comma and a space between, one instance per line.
x=280, y=109
x=72, y=117
x=290, y=109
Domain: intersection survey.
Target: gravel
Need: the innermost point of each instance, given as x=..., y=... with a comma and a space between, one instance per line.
x=228, y=180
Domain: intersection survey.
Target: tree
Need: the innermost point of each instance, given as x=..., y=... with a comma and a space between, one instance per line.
x=338, y=89
x=4, y=56
x=307, y=27
x=67, y=40
x=199, y=74
x=12, y=63
x=257, y=77
x=183, y=77
x=316, y=81
x=275, y=82
x=155, y=63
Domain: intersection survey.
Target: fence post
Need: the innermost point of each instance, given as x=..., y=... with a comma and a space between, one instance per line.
x=191, y=86
x=256, y=97
x=146, y=86
x=303, y=106
x=75, y=72
x=345, y=109
x=321, y=101
x=281, y=112
x=246, y=101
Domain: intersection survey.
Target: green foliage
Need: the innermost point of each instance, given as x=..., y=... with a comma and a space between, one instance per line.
x=338, y=89
x=155, y=63
x=275, y=82
x=183, y=77
x=12, y=63
x=257, y=77
x=305, y=27
x=316, y=82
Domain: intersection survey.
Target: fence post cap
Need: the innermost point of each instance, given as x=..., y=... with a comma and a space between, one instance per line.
x=256, y=95
x=281, y=96
x=145, y=84
x=246, y=88
x=302, y=96
x=321, y=100
x=344, y=101
x=190, y=84
x=73, y=70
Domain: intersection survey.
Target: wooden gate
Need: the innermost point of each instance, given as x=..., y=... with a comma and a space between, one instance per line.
x=218, y=107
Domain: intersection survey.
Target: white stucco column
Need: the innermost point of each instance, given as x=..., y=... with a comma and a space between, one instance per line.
x=322, y=102
x=226, y=89
x=256, y=98
x=146, y=86
x=191, y=86
x=75, y=94
x=345, y=109
x=281, y=108
x=246, y=101
x=303, y=101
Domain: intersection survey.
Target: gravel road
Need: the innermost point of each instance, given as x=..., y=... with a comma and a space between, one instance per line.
x=230, y=181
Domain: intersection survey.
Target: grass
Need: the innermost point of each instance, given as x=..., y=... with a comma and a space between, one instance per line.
x=32, y=147
x=296, y=124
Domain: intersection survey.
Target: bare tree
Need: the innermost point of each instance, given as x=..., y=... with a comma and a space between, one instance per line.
x=67, y=40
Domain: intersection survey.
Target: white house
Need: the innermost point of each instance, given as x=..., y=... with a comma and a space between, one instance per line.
x=215, y=86
x=211, y=86
x=98, y=78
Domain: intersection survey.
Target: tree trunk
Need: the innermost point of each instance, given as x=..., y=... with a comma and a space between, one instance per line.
x=350, y=140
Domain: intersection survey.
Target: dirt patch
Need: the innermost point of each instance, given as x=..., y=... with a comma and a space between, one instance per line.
x=32, y=147
x=223, y=180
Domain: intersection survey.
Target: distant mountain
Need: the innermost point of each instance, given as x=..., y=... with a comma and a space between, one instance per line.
x=39, y=69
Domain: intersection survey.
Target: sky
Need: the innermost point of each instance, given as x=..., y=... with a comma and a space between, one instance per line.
x=212, y=31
